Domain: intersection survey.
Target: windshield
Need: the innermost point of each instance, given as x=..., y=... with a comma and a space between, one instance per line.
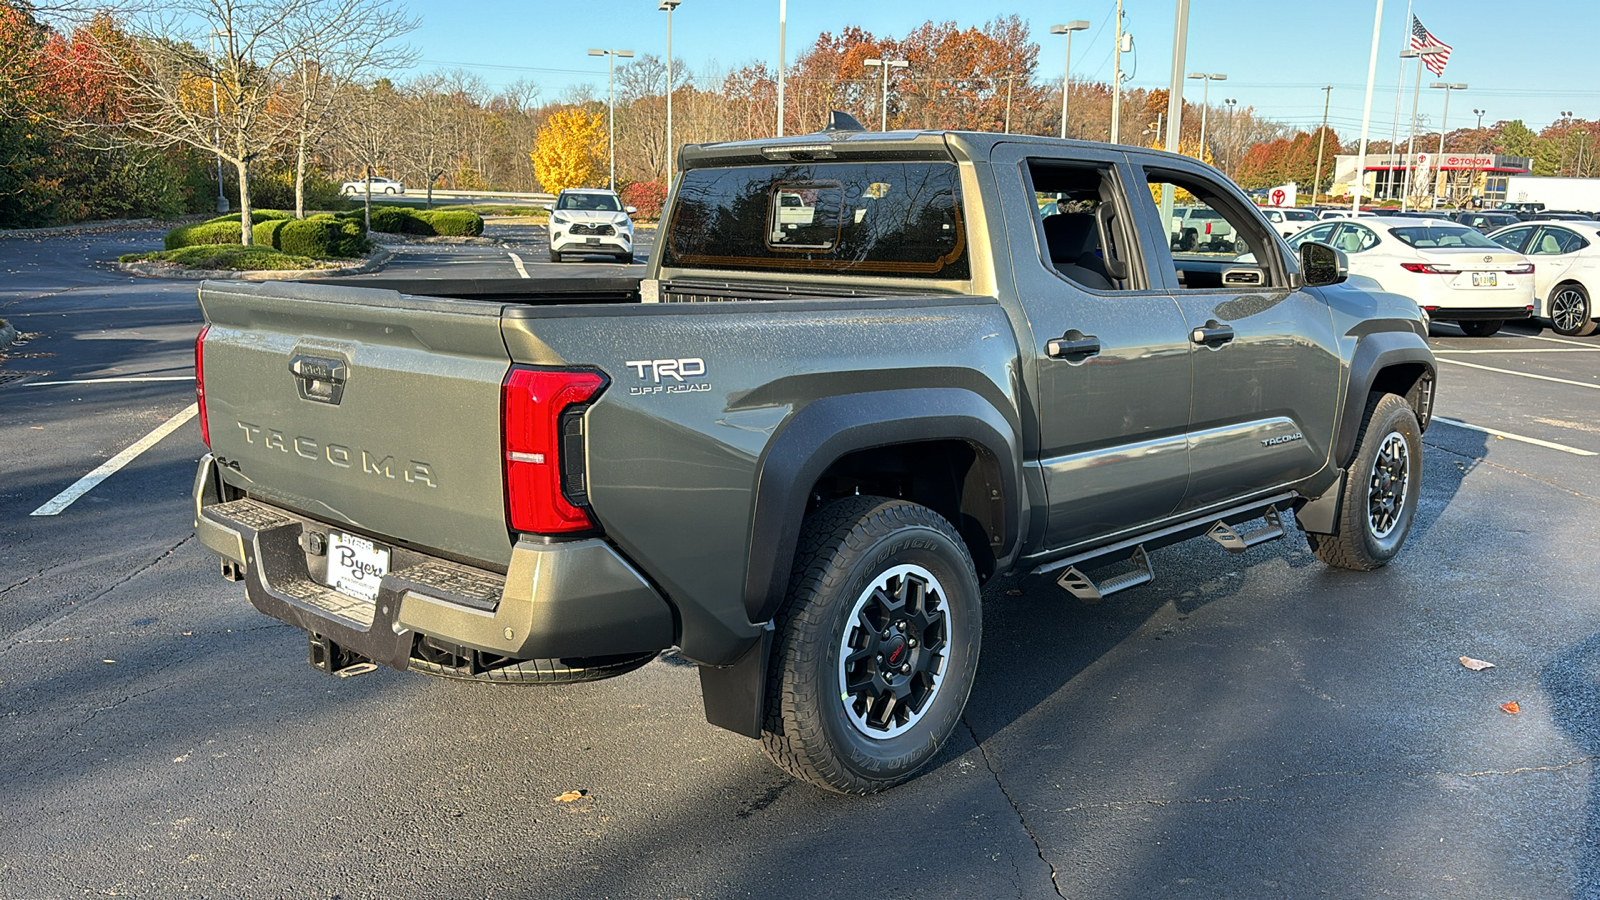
x=597, y=202
x=1430, y=237
x=1299, y=215
x=899, y=219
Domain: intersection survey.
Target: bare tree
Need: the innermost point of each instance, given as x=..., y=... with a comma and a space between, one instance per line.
x=431, y=143
x=368, y=129
x=333, y=43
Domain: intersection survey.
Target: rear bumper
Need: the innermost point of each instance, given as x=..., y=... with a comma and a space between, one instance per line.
x=1476, y=314
x=573, y=599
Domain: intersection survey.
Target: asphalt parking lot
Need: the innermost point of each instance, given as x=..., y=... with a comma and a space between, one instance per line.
x=1247, y=726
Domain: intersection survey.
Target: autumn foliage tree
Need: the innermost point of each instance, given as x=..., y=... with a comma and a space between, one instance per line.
x=570, y=150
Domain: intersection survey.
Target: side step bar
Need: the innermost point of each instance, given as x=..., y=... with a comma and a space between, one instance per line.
x=1082, y=587
x=1234, y=542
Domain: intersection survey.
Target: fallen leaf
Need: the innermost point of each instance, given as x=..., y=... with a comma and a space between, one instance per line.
x=1511, y=708
x=1476, y=665
x=108, y=660
x=1014, y=592
x=570, y=796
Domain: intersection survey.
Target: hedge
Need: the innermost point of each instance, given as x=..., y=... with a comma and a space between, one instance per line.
x=257, y=216
x=322, y=237
x=427, y=222
x=266, y=233
x=215, y=232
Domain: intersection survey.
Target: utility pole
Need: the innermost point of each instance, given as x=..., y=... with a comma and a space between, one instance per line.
x=1116, y=81
x=1366, y=111
x=1322, y=137
x=783, y=24
x=1009, y=79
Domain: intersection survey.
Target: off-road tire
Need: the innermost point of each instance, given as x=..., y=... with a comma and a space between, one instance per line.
x=1481, y=328
x=1356, y=543
x=1575, y=318
x=542, y=671
x=846, y=548
x=555, y=257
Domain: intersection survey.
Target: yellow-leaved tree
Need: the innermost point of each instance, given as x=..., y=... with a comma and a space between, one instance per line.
x=570, y=151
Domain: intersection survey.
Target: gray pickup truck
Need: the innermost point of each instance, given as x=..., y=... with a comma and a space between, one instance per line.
x=797, y=448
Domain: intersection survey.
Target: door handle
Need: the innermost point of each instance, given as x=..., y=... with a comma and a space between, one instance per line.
x=1074, y=346
x=1213, y=334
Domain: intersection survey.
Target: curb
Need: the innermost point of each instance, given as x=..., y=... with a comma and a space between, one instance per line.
x=376, y=260
x=105, y=225
x=8, y=333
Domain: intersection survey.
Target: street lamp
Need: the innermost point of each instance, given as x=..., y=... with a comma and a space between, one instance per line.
x=611, y=106
x=1411, y=137
x=1447, y=87
x=783, y=27
x=1566, y=139
x=1205, y=104
x=672, y=150
x=1067, y=29
x=1231, y=102
x=886, y=65
x=1479, y=113
x=216, y=114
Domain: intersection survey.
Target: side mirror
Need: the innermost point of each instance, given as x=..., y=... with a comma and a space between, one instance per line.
x=630, y=210
x=1322, y=264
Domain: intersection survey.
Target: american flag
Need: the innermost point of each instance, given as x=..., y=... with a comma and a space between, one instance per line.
x=1422, y=39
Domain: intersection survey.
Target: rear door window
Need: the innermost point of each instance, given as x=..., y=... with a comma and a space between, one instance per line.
x=1515, y=238
x=900, y=219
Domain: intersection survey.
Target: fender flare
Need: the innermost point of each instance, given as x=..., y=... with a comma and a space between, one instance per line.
x=1374, y=353
x=827, y=430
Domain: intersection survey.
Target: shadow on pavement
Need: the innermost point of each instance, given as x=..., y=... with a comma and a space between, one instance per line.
x=1572, y=681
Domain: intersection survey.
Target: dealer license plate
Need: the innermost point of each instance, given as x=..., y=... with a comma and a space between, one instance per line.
x=356, y=566
x=1485, y=279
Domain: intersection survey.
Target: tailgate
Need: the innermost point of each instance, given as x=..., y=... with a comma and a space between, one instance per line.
x=362, y=407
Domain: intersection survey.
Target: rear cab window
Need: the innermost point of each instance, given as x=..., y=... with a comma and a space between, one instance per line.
x=897, y=219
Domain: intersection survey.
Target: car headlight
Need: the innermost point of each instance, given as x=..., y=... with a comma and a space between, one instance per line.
x=557, y=219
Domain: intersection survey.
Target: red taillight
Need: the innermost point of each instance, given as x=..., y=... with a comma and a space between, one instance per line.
x=532, y=403
x=1524, y=269
x=1429, y=269
x=200, y=382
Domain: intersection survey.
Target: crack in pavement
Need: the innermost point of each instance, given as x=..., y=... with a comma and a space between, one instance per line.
x=1479, y=459
x=76, y=564
x=1022, y=819
x=32, y=631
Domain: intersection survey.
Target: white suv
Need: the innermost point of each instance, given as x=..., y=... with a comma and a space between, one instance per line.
x=591, y=220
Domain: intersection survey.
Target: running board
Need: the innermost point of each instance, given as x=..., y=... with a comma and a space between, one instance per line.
x=1084, y=588
x=1234, y=542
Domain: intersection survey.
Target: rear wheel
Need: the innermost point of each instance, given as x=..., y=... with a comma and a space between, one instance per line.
x=877, y=645
x=536, y=671
x=1482, y=328
x=1380, y=489
x=1570, y=312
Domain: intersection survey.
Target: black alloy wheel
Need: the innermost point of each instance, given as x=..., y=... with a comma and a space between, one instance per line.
x=1570, y=313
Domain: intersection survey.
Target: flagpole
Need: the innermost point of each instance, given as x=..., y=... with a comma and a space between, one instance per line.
x=1366, y=110
x=1399, y=91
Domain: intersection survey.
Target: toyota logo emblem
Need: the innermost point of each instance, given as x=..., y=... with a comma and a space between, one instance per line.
x=1488, y=259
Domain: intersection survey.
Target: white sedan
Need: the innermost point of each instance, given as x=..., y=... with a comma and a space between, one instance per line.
x=1287, y=221
x=1452, y=271
x=379, y=186
x=1566, y=276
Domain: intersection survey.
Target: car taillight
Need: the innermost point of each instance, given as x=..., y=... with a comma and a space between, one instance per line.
x=1524, y=269
x=1429, y=269
x=200, y=382
x=541, y=421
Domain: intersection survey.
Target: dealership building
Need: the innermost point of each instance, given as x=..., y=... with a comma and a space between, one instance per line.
x=1457, y=179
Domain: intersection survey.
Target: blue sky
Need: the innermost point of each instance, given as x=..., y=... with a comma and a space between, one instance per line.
x=1528, y=60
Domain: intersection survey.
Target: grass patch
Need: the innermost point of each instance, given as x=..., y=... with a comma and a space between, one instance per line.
x=226, y=258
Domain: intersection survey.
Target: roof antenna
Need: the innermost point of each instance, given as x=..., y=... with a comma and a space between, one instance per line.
x=842, y=121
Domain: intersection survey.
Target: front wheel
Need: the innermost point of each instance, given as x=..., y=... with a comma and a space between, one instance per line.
x=877, y=645
x=555, y=257
x=1570, y=312
x=1482, y=328
x=1380, y=489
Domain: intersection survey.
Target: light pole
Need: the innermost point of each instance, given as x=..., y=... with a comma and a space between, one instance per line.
x=1447, y=87
x=1205, y=105
x=1116, y=80
x=672, y=151
x=885, y=65
x=1411, y=138
x=1566, y=139
x=1067, y=29
x=1009, y=80
x=1366, y=112
x=216, y=113
x=1322, y=137
x=1479, y=113
x=1231, y=102
x=611, y=107
x=783, y=26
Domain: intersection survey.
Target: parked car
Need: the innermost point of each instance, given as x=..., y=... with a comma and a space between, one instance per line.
x=1286, y=221
x=1337, y=213
x=1524, y=211
x=796, y=464
x=1486, y=220
x=1453, y=272
x=380, y=185
x=1566, y=275
x=1200, y=229
x=592, y=220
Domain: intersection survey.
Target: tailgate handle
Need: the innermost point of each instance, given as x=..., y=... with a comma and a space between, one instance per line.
x=320, y=378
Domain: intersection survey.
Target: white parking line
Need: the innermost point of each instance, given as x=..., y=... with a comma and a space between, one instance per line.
x=129, y=379
x=1540, y=337
x=517, y=261
x=1582, y=384
x=1516, y=437
x=110, y=467
x=1530, y=350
